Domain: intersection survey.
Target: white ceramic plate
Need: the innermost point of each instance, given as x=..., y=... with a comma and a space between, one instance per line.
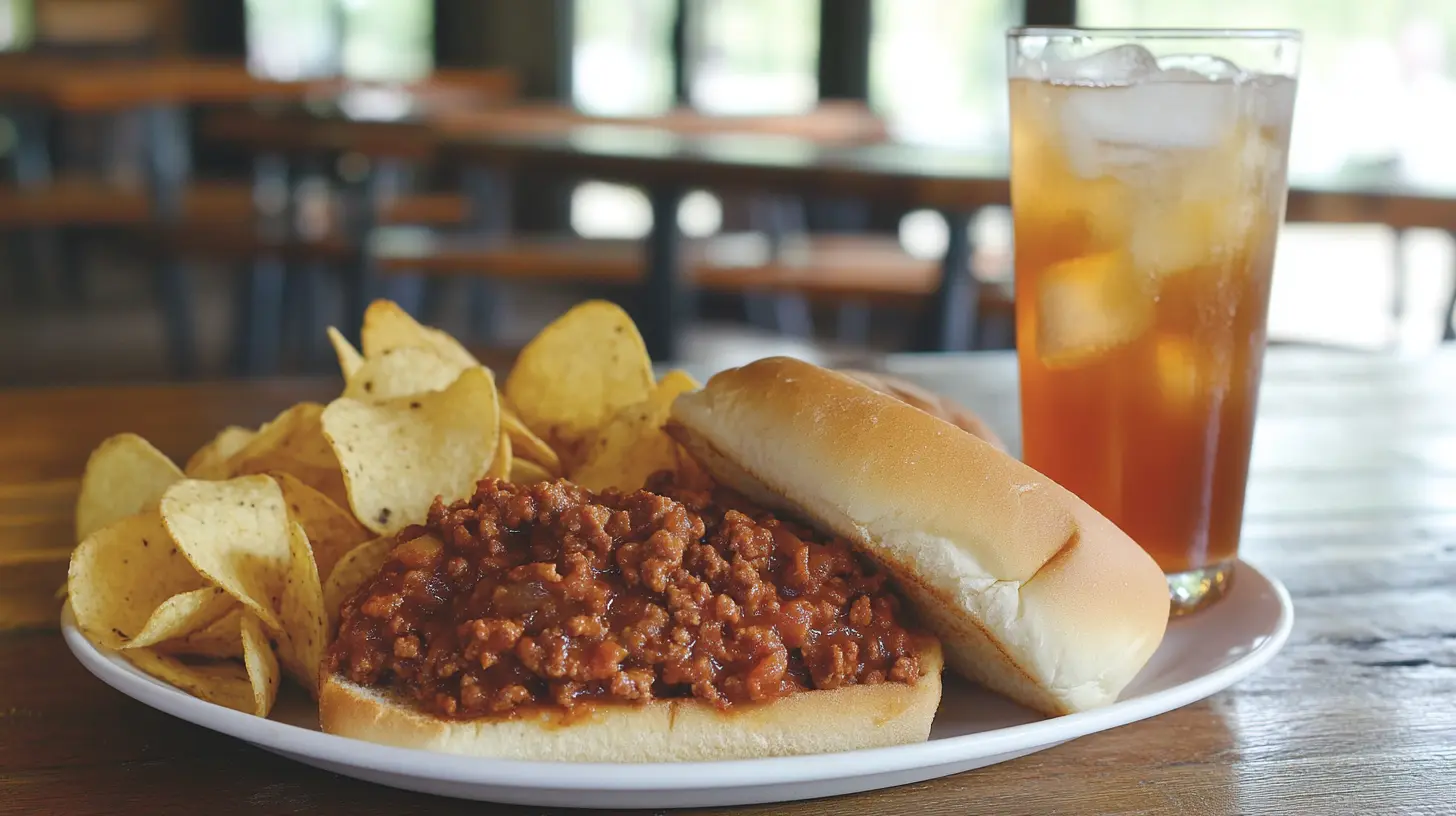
x=1200, y=656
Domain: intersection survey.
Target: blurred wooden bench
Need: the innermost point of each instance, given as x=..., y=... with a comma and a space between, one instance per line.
x=86, y=202
x=854, y=270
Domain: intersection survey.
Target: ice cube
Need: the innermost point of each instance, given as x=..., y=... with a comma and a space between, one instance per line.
x=1272, y=101
x=1122, y=65
x=1197, y=68
x=1110, y=128
x=1189, y=374
x=1219, y=197
x=1089, y=306
x=1184, y=235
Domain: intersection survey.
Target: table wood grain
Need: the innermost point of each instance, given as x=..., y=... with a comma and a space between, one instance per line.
x=1352, y=504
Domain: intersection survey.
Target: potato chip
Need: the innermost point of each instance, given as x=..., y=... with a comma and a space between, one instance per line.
x=400, y=454
x=387, y=327
x=359, y=565
x=224, y=683
x=526, y=444
x=524, y=471
x=305, y=631
x=182, y=615
x=121, y=573
x=294, y=443
x=235, y=533
x=212, y=461
x=577, y=373
x=633, y=445
x=261, y=665
x=349, y=357
x=401, y=372
x=332, y=530
x=221, y=639
x=500, y=466
x=124, y=474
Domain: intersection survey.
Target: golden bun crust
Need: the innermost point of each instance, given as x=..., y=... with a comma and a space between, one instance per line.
x=811, y=722
x=1032, y=592
x=929, y=402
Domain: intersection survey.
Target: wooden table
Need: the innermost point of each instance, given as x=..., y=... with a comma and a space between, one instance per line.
x=411, y=128
x=668, y=163
x=1352, y=504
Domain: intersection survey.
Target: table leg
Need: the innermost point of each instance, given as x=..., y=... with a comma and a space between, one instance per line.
x=305, y=280
x=780, y=218
x=488, y=190
x=665, y=295
x=361, y=283
x=1448, y=316
x=953, y=308
x=167, y=165
x=261, y=302
x=1397, y=286
x=30, y=167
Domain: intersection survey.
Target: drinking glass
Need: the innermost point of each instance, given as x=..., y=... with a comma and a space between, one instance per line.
x=1148, y=180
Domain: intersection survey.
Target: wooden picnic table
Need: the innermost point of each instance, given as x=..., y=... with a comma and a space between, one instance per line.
x=1352, y=504
x=670, y=154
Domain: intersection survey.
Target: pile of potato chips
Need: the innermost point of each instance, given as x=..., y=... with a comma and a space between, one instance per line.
x=221, y=576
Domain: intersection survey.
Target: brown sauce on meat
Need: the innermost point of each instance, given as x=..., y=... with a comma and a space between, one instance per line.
x=547, y=596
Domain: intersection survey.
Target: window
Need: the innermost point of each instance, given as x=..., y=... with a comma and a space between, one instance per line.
x=361, y=39
x=938, y=70
x=622, y=66
x=753, y=56
x=388, y=39
x=292, y=39
x=622, y=56
x=15, y=24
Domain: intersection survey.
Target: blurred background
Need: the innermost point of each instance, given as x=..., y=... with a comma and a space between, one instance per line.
x=194, y=189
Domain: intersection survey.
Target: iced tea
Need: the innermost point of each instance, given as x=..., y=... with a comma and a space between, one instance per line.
x=1147, y=194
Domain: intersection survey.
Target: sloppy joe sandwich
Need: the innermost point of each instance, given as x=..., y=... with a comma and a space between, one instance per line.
x=1031, y=591
x=547, y=622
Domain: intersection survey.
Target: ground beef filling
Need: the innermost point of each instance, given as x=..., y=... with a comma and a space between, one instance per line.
x=548, y=595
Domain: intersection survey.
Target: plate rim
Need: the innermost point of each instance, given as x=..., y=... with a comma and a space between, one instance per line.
x=627, y=777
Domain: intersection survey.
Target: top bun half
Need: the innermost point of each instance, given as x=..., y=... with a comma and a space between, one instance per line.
x=1033, y=593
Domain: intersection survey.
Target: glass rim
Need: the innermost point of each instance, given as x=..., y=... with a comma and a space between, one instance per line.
x=1019, y=32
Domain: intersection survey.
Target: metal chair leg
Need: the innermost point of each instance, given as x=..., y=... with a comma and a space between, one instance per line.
x=174, y=291
x=303, y=317
x=486, y=304
x=792, y=316
x=1448, y=317
x=852, y=323
x=264, y=315
x=952, y=324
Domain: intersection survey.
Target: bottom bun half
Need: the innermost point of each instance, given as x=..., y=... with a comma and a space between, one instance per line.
x=810, y=722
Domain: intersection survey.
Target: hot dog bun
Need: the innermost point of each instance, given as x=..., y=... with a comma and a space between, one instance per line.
x=1032, y=592
x=929, y=402
x=809, y=722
